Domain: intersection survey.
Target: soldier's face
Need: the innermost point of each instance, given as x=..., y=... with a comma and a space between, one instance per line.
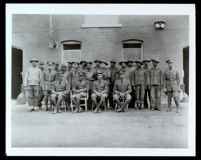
x=170, y=65
x=146, y=63
x=112, y=64
x=34, y=63
x=154, y=63
x=41, y=67
x=121, y=76
x=69, y=65
x=97, y=64
x=81, y=77
x=63, y=68
x=123, y=65
x=88, y=66
x=138, y=65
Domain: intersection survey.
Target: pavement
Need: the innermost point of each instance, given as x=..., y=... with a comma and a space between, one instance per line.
x=131, y=129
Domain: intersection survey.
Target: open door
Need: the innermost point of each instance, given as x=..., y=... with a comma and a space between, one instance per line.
x=16, y=72
x=186, y=68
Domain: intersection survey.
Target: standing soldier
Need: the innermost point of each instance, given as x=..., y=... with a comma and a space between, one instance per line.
x=131, y=70
x=41, y=95
x=32, y=84
x=171, y=84
x=122, y=89
x=90, y=78
x=80, y=89
x=113, y=76
x=147, y=94
x=74, y=73
x=49, y=78
x=124, y=68
x=69, y=72
x=156, y=84
x=97, y=67
x=100, y=89
x=139, y=82
x=55, y=66
x=60, y=91
x=83, y=66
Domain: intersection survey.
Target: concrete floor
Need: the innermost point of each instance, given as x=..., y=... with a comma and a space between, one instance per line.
x=132, y=129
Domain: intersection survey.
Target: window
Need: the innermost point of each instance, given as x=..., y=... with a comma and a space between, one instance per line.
x=71, y=51
x=132, y=49
x=101, y=21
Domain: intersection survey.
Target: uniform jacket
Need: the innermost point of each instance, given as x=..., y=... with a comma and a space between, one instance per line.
x=62, y=86
x=113, y=74
x=155, y=77
x=101, y=86
x=33, y=76
x=80, y=85
x=139, y=77
x=171, y=80
x=126, y=73
x=120, y=86
x=50, y=75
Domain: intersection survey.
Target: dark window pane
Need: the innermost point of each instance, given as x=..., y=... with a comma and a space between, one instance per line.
x=132, y=45
x=71, y=46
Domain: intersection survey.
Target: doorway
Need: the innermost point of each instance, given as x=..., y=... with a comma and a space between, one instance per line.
x=17, y=55
x=186, y=69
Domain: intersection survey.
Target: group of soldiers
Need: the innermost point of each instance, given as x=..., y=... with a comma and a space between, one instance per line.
x=131, y=85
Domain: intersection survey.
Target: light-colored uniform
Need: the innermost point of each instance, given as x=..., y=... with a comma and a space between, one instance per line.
x=49, y=78
x=33, y=82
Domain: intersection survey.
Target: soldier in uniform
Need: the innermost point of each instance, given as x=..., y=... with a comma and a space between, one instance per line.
x=69, y=72
x=97, y=67
x=55, y=66
x=32, y=84
x=171, y=84
x=90, y=78
x=60, y=91
x=147, y=94
x=131, y=70
x=156, y=84
x=83, y=66
x=139, y=82
x=74, y=73
x=41, y=96
x=80, y=89
x=113, y=76
x=122, y=89
x=124, y=68
x=49, y=78
x=100, y=90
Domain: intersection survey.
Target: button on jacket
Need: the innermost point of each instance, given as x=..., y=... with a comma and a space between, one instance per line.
x=155, y=76
x=171, y=80
x=139, y=77
x=61, y=86
x=120, y=86
x=33, y=76
x=101, y=86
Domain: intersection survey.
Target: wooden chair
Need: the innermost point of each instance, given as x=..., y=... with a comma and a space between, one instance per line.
x=85, y=99
x=122, y=100
x=105, y=106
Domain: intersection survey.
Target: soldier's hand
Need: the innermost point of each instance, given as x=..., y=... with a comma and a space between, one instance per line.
x=133, y=87
x=164, y=90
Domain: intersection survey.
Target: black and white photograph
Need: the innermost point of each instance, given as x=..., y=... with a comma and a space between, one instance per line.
x=100, y=79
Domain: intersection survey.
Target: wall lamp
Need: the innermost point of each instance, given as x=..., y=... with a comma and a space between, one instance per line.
x=159, y=25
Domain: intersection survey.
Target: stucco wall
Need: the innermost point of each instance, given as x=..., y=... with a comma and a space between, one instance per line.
x=30, y=33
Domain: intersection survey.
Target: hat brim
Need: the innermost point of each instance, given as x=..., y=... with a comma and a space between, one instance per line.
x=97, y=61
x=155, y=60
x=120, y=63
x=138, y=62
x=146, y=60
x=33, y=61
x=169, y=61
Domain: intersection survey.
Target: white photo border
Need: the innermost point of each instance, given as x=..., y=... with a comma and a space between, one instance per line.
x=103, y=9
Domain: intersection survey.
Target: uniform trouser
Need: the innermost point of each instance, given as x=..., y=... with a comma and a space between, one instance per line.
x=147, y=97
x=175, y=95
x=89, y=102
x=132, y=103
x=155, y=96
x=139, y=89
x=41, y=96
x=33, y=95
x=111, y=94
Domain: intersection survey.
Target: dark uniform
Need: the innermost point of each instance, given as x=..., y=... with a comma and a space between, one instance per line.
x=156, y=84
x=113, y=76
x=139, y=81
x=147, y=94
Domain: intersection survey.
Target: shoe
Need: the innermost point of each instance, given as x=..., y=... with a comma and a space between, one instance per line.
x=119, y=110
x=59, y=111
x=46, y=109
x=177, y=111
x=168, y=110
x=124, y=110
x=31, y=110
x=54, y=112
x=99, y=111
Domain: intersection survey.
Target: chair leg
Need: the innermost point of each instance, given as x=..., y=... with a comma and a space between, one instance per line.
x=85, y=105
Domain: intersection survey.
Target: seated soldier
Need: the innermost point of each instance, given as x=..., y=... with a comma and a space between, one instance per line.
x=60, y=91
x=100, y=90
x=122, y=89
x=80, y=88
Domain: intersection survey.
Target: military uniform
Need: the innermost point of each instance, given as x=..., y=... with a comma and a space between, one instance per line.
x=156, y=83
x=33, y=82
x=113, y=76
x=171, y=83
x=122, y=87
x=139, y=81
